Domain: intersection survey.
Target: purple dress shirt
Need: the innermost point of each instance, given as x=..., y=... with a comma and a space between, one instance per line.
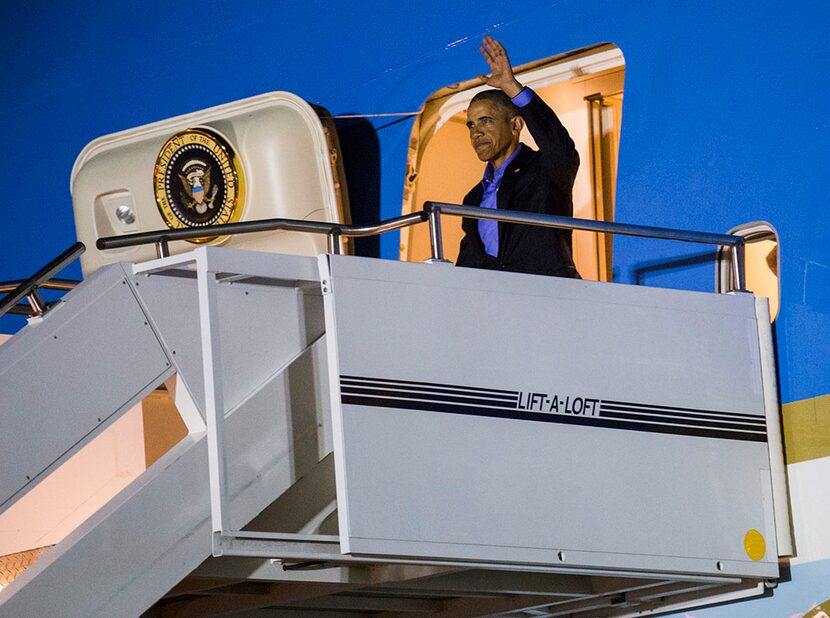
x=488, y=229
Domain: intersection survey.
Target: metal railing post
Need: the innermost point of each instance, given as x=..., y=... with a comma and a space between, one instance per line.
x=435, y=240
x=739, y=265
x=162, y=248
x=37, y=303
x=333, y=239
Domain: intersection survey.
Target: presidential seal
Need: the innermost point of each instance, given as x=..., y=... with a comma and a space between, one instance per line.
x=198, y=181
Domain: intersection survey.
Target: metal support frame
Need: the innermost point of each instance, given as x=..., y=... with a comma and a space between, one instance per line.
x=214, y=393
x=320, y=548
x=207, y=265
x=289, y=553
x=297, y=547
x=435, y=240
x=301, y=547
x=206, y=283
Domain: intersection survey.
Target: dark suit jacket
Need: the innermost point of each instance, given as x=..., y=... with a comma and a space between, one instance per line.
x=534, y=181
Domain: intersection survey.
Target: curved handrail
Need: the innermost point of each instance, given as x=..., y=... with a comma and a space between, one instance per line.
x=28, y=287
x=261, y=225
x=435, y=209
x=431, y=212
x=54, y=283
x=571, y=223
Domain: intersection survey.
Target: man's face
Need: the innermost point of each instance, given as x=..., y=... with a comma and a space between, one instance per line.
x=492, y=134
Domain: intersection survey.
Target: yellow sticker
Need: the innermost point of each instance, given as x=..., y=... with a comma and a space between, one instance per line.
x=754, y=545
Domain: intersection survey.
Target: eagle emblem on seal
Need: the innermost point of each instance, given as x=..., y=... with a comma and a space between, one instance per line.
x=195, y=177
x=198, y=181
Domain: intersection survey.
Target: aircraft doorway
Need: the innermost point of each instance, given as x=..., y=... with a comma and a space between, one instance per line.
x=584, y=88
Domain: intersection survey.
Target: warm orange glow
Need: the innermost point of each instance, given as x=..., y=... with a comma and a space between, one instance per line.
x=446, y=166
x=67, y=496
x=12, y=565
x=762, y=271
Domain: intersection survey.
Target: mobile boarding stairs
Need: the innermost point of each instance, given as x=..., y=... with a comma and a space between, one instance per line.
x=369, y=436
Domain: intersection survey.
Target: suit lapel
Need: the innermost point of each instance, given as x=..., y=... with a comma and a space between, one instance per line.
x=508, y=183
x=473, y=198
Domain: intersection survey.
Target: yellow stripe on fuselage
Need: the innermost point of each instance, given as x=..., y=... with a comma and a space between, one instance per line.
x=806, y=429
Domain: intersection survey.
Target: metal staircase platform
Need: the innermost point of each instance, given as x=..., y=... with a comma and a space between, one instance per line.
x=372, y=437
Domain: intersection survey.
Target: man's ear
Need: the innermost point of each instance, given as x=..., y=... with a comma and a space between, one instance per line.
x=518, y=125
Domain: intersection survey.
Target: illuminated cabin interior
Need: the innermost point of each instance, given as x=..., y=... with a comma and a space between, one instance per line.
x=762, y=263
x=585, y=89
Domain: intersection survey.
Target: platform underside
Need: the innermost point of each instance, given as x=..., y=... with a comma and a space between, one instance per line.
x=238, y=586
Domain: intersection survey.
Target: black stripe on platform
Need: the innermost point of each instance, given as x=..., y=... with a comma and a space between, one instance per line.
x=629, y=405
x=591, y=421
x=452, y=399
x=509, y=403
x=430, y=390
x=685, y=417
x=677, y=421
x=425, y=384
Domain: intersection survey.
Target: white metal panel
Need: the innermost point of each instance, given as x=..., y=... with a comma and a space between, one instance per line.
x=262, y=326
x=619, y=346
x=286, y=163
x=158, y=530
x=772, y=409
x=152, y=535
x=71, y=374
x=672, y=478
x=77, y=488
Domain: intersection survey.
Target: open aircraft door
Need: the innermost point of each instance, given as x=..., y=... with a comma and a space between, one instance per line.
x=268, y=156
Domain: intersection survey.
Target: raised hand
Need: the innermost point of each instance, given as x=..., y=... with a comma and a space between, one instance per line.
x=501, y=72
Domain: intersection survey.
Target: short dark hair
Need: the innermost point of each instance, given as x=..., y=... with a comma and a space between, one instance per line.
x=498, y=98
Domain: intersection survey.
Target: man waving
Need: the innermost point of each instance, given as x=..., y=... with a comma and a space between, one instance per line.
x=517, y=177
